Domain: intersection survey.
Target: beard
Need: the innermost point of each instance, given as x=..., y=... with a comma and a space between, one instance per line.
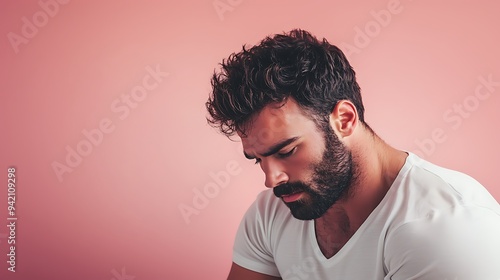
x=331, y=181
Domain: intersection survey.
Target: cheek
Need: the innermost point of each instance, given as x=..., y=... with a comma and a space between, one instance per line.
x=300, y=167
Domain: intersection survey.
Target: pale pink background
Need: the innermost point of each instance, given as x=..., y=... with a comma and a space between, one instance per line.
x=119, y=207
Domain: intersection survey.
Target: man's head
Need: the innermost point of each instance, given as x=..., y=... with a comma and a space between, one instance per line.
x=289, y=99
x=314, y=73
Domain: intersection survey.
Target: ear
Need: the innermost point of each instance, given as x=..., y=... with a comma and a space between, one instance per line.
x=344, y=118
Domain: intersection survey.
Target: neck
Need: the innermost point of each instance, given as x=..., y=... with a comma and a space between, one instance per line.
x=378, y=165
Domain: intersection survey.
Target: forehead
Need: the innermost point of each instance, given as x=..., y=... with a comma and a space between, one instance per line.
x=276, y=122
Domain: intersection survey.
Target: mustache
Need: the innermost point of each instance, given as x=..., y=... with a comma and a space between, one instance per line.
x=290, y=188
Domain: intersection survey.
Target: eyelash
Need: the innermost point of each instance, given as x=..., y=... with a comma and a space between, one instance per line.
x=285, y=155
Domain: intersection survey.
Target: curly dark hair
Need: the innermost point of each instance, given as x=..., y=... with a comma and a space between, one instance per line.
x=295, y=64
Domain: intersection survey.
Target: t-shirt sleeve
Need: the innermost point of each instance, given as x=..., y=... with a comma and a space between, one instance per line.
x=460, y=243
x=252, y=244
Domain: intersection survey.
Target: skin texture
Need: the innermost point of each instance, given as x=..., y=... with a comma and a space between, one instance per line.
x=377, y=165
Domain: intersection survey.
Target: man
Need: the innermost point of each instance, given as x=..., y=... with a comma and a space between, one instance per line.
x=342, y=203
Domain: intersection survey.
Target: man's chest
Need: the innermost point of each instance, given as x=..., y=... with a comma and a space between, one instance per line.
x=303, y=255
x=332, y=238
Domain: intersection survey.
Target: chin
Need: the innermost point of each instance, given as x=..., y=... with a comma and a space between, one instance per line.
x=302, y=211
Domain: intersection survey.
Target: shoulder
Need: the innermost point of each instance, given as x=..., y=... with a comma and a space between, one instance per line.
x=429, y=198
x=444, y=221
x=454, y=242
x=429, y=186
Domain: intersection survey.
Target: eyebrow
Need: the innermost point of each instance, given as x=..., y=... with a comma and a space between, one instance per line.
x=275, y=148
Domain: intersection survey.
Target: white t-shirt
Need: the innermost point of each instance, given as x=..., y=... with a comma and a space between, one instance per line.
x=433, y=223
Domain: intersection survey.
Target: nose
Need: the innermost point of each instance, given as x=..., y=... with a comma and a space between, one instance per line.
x=275, y=173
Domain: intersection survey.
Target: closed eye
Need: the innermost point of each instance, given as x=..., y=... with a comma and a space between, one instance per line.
x=287, y=154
